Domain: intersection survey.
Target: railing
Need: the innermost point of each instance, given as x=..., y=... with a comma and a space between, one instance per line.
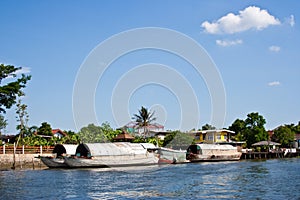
x=9, y=149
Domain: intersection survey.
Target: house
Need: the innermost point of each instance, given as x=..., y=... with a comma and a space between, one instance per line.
x=297, y=141
x=135, y=129
x=8, y=138
x=55, y=133
x=123, y=137
x=212, y=136
x=160, y=134
x=58, y=133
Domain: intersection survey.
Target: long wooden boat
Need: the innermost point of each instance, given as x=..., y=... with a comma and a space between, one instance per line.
x=116, y=154
x=52, y=162
x=59, y=151
x=212, y=152
x=171, y=156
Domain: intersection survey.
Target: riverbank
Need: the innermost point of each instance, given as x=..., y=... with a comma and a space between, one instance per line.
x=23, y=161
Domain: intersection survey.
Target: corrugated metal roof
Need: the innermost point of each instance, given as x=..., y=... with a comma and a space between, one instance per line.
x=148, y=145
x=117, y=148
x=216, y=146
x=266, y=143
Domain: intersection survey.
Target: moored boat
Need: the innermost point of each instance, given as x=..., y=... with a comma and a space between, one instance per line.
x=111, y=155
x=212, y=152
x=171, y=156
x=59, y=151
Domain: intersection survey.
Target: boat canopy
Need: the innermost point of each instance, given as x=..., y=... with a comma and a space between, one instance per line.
x=216, y=146
x=149, y=146
x=109, y=149
x=68, y=149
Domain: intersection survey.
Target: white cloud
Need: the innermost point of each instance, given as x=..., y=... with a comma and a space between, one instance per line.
x=274, y=48
x=274, y=83
x=226, y=43
x=291, y=21
x=251, y=17
x=23, y=70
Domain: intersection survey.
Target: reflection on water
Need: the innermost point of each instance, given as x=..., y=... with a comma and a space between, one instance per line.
x=271, y=179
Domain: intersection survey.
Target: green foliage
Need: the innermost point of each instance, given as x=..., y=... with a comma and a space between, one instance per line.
x=178, y=140
x=255, y=120
x=109, y=132
x=251, y=129
x=103, y=133
x=238, y=127
x=144, y=118
x=208, y=127
x=70, y=138
x=30, y=139
x=45, y=129
x=10, y=90
x=284, y=135
x=22, y=116
x=34, y=140
x=3, y=123
x=153, y=140
x=156, y=141
x=92, y=134
x=139, y=140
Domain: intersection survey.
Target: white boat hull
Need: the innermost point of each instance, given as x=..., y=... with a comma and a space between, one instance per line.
x=112, y=161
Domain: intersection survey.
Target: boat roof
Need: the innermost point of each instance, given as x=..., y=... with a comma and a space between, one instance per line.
x=215, y=146
x=113, y=149
x=148, y=145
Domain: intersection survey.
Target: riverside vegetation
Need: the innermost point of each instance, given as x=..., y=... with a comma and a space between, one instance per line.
x=250, y=130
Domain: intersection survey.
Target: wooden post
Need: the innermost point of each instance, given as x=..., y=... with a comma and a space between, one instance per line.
x=14, y=157
x=4, y=149
x=41, y=149
x=23, y=150
x=32, y=164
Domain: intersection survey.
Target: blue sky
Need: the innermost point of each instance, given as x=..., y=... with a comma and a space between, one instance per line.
x=254, y=45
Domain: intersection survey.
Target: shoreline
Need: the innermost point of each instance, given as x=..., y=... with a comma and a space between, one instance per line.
x=23, y=161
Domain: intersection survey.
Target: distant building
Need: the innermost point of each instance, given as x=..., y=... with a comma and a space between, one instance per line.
x=7, y=138
x=55, y=133
x=135, y=129
x=58, y=133
x=297, y=141
x=213, y=136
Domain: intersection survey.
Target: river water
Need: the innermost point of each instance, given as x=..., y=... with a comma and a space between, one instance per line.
x=247, y=179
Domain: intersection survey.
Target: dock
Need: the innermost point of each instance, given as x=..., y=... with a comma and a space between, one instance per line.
x=271, y=154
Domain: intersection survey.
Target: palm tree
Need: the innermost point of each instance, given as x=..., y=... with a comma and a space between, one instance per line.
x=144, y=119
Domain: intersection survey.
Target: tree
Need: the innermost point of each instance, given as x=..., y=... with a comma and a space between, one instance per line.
x=45, y=129
x=11, y=90
x=255, y=120
x=92, y=133
x=284, y=135
x=144, y=119
x=70, y=138
x=178, y=140
x=238, y=127
x=3, y=123
x=255, y=130
x=251, y=130
x=109, y=132
x=22, y=117
x=208, y=127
